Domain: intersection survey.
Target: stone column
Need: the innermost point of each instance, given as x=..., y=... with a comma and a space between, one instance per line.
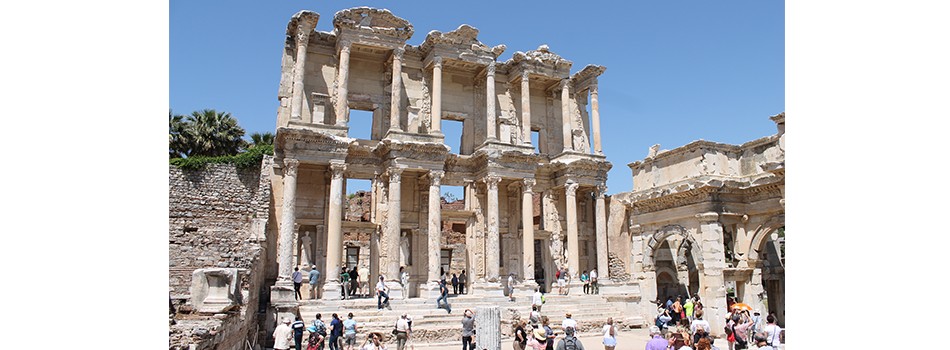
x=390, y=251
x=714, y=262
x=331, y=289
x=488, y=327
x=343, y=73
x=396, y=99
x=570, y=206
x=490, y=98
x=566, y=114
x=491, y=239
x=525, y=109
x=595, y=121
x=436, y=96
x=600, y=220
x=285, y=252
x=754, y=291
x=304, y=27
x=435, y=231
x=527, y=220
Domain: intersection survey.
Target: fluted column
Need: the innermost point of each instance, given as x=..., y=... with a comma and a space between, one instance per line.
x=595, y=117
x=390, y=264
x=525, y=109
x=527, y=220
x=600, y=220
x=566, y=114
x=285, y=252
x=396, y=99
x=490, y=101
x=343, y=73
x=570, y=206
x=491, y=239
x=436, y=96
x=302, y=37
x=435, y=224
x=334, y=233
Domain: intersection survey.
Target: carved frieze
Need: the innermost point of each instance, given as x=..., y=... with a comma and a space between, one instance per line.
x=372, y=21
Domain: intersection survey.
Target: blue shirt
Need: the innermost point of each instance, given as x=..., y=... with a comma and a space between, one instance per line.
x=337, y=327
x=297, y=276
x=314, y=276
x=350, y=326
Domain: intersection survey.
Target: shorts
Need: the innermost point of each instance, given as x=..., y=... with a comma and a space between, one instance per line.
x=560, y=282
x=349, y=339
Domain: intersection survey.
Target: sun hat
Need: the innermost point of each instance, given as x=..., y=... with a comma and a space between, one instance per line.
x=539, y=334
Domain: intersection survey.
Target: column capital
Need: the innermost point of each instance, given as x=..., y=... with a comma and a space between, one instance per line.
x=490, y=69
x=290, y=166
x=528, y=183
x=337, y=169
x=492, y=181
x=344, y=45
x=566, y=83
x=636, y=228
x=395, y=174
x=437, y=61
x=570, y=188
x=593, y=88
x=601, y=190
x=708, y=217
x=524, y=76
x=398, y=52
x=435, y=177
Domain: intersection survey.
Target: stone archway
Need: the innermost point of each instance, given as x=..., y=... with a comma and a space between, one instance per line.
x=768, y=279
x=688, y=259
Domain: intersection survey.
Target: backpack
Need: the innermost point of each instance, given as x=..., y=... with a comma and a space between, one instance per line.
x=728, y=330
x=569, y=343
x=558, y=274
x=542, y=299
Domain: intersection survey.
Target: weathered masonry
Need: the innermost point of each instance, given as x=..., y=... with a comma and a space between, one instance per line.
x=365, y=64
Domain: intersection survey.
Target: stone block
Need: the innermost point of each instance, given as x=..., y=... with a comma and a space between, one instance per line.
x=215, y=290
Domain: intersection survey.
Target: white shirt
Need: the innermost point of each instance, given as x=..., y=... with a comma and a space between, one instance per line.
x=402, y=325
x=381, y=287
x=569, y=323
x=511, y=280
x=697, y=324
x=282, y=337
x=773, y=335
x=537, y=298
x=593, y=275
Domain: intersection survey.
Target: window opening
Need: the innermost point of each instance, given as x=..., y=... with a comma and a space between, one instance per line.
x=452, y=129
x=360, y=124
x=446, y=260
x=352, y=257
x=358, y=200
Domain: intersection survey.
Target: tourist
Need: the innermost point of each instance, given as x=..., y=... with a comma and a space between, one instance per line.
x=298, y=278
x=463, y=279
x=349, y=331
x=404, y=277
x=314, y=279
x=699, y=327
x=537, y=300
x=402, y=332
x=511, y=287
x=705, y=344
x=282, y=335
x=741, y=326
x=373, y=342
x=548, y=333
x=345, y=283
x=443, y=297
x=409, y=335
x=354, y=283
x=336, y=331
x=364, y=281
x=568, y=322
x=677, y=310
x=688, y=307
x=521, y=338
x=315, y=342
x=662, y=318
x=679, y=337
x=657, y=342
x=534, y=317
x=381, y=293
x=560, y=275
x=761, y=342
x=321, y=328
x=298, y=327
x=455, y=285
x=594, y=285
x=610, y=334
x=772, y=332
x=585, y=279
x=537, y=339
x=570, y=342
x=468, y=330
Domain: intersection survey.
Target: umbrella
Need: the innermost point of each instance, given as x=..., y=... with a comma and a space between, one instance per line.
x=741, y=306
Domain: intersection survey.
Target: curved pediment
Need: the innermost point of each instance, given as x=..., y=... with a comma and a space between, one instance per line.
x=464, y=38
x=542, y=55
x=373, y=21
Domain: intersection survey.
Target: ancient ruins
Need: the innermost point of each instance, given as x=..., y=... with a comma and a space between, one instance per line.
x=701, y=217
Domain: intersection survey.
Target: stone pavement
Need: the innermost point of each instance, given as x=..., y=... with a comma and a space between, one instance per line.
x=627, y=339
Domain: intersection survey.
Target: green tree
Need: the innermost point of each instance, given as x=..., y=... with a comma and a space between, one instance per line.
x=176, y=145
x=258, y=139
x=209, y=133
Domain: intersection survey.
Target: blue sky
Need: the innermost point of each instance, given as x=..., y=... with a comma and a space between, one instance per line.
x=677, y=71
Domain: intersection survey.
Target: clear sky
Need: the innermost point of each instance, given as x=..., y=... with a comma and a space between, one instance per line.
x=677, y=71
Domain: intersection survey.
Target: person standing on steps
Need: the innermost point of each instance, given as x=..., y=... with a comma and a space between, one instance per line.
x=463, y=279
x=283, y=335
x=402, y=332
x=349, y=331
x=298, y=278
x=455, y=285
x=298, y=327
x=568, y=322
x=364, y=282
x=315, y=342
x=511, y=286
x=314, y=280
x=537, y=299
x=320, y=328
x=594, y=285
x=354, y=284
x=585, y=279
x=468, y=330
x=381, y=293
x=444, y=297
x=336, y=331
x=345, y=283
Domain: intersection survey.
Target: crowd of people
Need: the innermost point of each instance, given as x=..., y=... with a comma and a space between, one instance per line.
x=684, y=327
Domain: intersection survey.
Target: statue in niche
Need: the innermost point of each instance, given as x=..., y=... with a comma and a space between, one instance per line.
x=404, y=253
x=305, y=244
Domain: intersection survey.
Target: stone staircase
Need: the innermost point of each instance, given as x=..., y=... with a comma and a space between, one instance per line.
x=433, y=325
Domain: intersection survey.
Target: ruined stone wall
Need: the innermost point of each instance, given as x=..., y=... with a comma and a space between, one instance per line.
x=217, y=218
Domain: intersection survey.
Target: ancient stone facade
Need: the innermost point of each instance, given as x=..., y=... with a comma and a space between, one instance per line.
x=365, y=64
x=703, y=218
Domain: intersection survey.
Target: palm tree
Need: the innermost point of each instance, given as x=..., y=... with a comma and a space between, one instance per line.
x=258, y=139
x=209, y=133
x=176, y=144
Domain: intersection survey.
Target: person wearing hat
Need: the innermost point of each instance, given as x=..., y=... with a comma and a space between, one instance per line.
x=468, y=330
x=314, y=279
x=657, y=343
x=283, y=335
x=402, y=331
x=536, y=340
x=610, y=334
x=511, y=287
x=570, y=342
x=316, y=339
x=568, y=322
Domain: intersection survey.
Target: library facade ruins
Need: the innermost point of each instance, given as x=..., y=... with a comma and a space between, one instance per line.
x=701, y=217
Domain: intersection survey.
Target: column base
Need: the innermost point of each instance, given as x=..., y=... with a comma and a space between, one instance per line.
x=332, y=290
x=488, y=289
x=431, y=291
x=282, y=294
x=395, y=290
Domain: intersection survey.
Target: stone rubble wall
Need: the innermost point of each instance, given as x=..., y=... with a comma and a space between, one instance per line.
x=214, y=218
